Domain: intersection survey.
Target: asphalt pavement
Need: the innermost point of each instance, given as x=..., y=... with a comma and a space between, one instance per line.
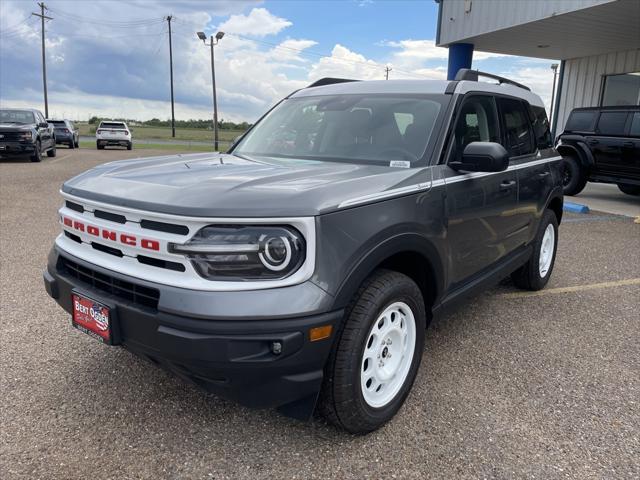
x=512, y=385
x=606, y=197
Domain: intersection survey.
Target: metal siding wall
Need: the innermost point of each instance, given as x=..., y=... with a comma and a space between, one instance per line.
x=583, y=79
x=490, y=15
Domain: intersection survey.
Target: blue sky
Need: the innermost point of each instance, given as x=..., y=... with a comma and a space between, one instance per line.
x=110, y=58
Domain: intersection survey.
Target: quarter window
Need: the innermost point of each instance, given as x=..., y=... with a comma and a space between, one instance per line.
x=517, y=133
x=612, y=123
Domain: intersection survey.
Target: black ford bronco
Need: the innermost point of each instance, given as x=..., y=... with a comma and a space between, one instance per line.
x=301, y=269
x=601, y=144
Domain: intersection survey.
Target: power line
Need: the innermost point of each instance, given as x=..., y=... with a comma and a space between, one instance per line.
x=115, y=23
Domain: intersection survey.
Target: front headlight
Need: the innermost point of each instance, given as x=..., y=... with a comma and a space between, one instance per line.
x=244, y=252
x=27, y=136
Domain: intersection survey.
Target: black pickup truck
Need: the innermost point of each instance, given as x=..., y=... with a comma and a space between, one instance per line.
x=25, y=132
x=601, y=144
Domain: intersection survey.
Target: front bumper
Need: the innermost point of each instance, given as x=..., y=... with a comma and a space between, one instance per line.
x=16, y=148
x=231, y=357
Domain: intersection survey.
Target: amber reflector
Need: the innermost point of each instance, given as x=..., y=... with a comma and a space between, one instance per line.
x=320, y=333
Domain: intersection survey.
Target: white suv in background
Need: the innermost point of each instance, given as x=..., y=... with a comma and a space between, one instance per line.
x=113, y=133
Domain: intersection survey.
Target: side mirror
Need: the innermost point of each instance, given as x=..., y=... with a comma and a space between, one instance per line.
x=483, y=157
x=43, y=125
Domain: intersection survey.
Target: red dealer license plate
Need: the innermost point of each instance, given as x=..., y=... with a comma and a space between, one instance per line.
x=92, y=318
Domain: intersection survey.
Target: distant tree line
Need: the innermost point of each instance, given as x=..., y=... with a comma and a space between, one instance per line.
x=193, y=123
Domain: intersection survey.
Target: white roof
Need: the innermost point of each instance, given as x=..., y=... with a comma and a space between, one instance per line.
x=418, y=87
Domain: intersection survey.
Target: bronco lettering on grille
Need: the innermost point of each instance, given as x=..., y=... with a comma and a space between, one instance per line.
x=112, y=235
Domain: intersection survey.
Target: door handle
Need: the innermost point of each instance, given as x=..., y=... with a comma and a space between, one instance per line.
x=593, y=142
x=542, y=174
x=627, y=144
x=507, y=185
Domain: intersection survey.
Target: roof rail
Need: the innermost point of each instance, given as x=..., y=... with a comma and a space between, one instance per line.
x=329, y=81
x=472, y=75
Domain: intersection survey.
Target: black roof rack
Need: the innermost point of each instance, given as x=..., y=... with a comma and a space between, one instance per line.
x=472, y=75
x=329, y=81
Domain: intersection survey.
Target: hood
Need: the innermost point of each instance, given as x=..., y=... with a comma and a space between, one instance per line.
x=14, y=127
x=221, y=185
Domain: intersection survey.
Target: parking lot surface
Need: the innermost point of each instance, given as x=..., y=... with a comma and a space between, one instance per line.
x=512, y=384
x=606, y=197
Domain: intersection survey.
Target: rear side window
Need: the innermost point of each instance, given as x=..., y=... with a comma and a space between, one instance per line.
x=580, y=121
x=635, y=125
x=517, y=133
x=612, y=123
x=540, y=124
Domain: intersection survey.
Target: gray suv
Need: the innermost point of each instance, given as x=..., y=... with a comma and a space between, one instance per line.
x=300, y=270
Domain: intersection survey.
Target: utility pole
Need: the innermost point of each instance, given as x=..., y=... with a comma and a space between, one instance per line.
x=387, y=69
x=42, y=16
x=173, y=117
x=215, y=100
x=554, y=67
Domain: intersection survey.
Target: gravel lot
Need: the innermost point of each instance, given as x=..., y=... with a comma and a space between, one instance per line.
x=511, y=385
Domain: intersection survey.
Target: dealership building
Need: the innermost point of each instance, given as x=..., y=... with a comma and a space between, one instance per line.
x=596, y=41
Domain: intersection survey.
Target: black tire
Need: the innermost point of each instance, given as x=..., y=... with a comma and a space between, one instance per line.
x=629, y=189
x=129, y=146
x=99, y=146
x=77, y=143
x=574, y=177
x=529, y=277
x=37, y=155
x=341, y=399
x=72, y=145
x=52, y=151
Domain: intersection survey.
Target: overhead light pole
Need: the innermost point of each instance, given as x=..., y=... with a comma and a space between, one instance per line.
x=554, y=67
x=212, y=42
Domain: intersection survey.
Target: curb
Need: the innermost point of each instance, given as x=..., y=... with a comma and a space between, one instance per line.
x=575, y=207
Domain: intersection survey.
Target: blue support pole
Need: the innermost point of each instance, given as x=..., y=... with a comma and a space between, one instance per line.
x=460, y=56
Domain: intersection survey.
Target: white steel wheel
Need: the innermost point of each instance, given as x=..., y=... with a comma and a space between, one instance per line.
x=388, y=355
x=547, y=248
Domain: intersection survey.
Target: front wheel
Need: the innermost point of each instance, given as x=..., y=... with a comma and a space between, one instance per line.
x=629, y=189
x=535, y=274
x=377, y=354
x=37, y=155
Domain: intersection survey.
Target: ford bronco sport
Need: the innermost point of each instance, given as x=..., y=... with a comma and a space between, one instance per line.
x=301, y=268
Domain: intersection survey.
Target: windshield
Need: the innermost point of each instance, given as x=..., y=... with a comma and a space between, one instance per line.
x=376, y=129
x=16, y=116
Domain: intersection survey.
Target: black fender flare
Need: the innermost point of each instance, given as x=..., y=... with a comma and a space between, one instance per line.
x=408, y=242
x=580, y=150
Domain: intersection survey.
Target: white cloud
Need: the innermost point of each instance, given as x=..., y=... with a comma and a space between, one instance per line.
x=427, y=50
x=290, y=50
x=259, y=23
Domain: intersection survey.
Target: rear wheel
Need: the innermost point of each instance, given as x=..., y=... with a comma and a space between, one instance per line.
x=574, y=177
x=129, y=146
x=377, y=354
x=629, y=189
x=99, y=146
x=77, y=143
x=37, y=155
x=535, y=274
x=72, y=145
x=52, y=151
